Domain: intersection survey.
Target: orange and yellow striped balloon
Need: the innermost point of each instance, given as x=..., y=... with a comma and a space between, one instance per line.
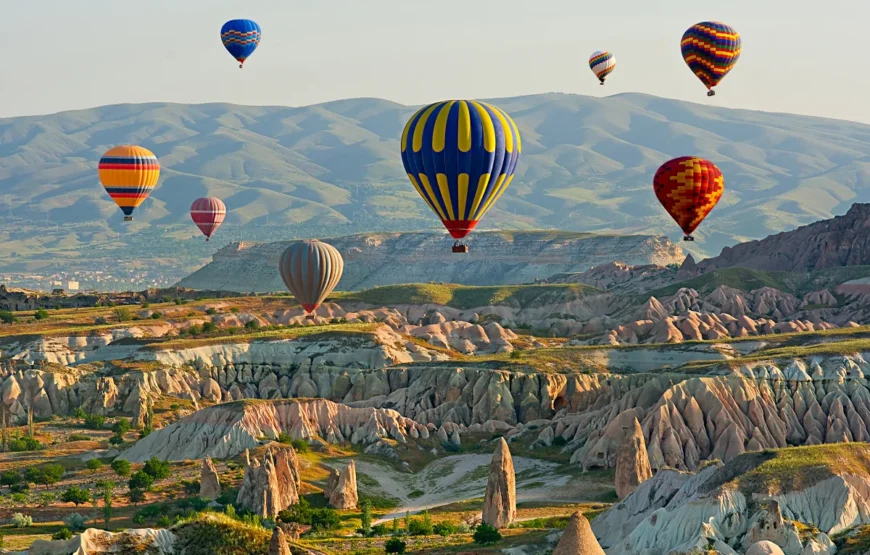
x=129, y=174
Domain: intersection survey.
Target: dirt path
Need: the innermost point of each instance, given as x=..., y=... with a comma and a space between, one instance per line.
x=461, y=477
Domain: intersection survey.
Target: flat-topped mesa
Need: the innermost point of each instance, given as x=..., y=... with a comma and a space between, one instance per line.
x=496, y=258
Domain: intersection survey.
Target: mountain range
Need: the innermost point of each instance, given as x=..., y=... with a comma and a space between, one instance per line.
x=334, y=169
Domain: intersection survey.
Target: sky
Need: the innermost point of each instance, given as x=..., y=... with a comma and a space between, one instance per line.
x=799, y=56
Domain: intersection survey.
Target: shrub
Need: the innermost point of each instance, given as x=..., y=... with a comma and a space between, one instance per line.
x=20, y=444
x=122, y=426
x=76, y=495
x=235, y=310
x=194, y=330
x=136, y=495
x=44, y=474
x=46, y=498
x=75, y=522
x=7, y=317
x=320, y=519
x=95, y=421
x=486, y=534
x=10, y=477
x=146, y=304
x=122, y=314
x=79, y=437
x=300, y=445
x=191, y=487
x=559, y=441
x=22, y=521
x=40, y=314
x=252, y=325
x=209, y=327
x=79, y=413
x=211, y=311
x=164, y=521
x=100, y=321
x=285, y=438
x=451, y=448
x=94, y=464
x=444, y=529
x=62, y=535
x=416, y=493
x=116, y=440
x=19, y=498
x=121, y=467
x=421, y=526
x=394, y=545
x=157, y=469
x=379, y=530
x=156, y=315
x=141, y=480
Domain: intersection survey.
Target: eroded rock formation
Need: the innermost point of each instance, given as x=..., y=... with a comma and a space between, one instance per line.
x=500, y=498
x=578, y=539
x=268, y=487
x=341, y=488
x=209, y=483
x=632, y=462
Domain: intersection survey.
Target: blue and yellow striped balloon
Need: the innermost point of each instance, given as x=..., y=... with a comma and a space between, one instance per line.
x=461, y=156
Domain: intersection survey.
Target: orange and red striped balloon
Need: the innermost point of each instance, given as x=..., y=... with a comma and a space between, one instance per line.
x=688, y=188
x=129, y=174
x=208, y=214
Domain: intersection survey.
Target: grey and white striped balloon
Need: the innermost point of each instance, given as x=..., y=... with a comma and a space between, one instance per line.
x=311, y=270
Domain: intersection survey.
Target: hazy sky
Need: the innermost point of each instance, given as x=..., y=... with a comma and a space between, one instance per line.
x=799, y=56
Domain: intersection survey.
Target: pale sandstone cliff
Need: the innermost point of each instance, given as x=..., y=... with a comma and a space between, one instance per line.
x=495, y=258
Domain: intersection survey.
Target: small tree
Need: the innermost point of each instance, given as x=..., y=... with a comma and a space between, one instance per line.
x=122, y=467
x=95, y=421
x=7, y=317
x=94, y=465
x=62, y=535
x=366, y=516
x=157, y=469
x=75, y=522
x=10, y=477
x=76, y=495
x=46, y=498
x=44, y=475
x=108, y=490
x=136, y=496
x=485, y=534
x=22, y=521
x=141, y=481
x=394, y=545
x=122, y=426
x=40, y=314
x=122, y=314
x=395, y=529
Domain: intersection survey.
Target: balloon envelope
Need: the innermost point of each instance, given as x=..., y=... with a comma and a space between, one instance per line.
x=241, y=37
x=311, y=270
x=688, y=188
x=208, y=214
x=602, y=64
x=460, y=155
x=711, y=49
x=129, y=174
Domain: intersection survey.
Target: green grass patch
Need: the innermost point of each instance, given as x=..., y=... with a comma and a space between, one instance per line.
x=464, y=297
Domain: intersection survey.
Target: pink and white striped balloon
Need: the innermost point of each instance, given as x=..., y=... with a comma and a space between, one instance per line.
x=208, y=214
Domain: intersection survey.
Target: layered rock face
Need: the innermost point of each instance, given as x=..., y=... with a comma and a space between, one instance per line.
x=578, y=539
x=495, y=258
x=341, y=488
x=268, y=487
x=224, y=431
x=632, y=462
x=278, y=543
x=840, y=241
x=93, y=542
x=209, y=483
x=500, y=498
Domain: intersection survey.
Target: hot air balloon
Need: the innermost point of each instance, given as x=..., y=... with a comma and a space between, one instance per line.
x=460, y=155
x=710, y=49
x=688, y=188
x=241, y=37
x=602, y=64
x=208, y=214
x=311, y=270
x=129, y=174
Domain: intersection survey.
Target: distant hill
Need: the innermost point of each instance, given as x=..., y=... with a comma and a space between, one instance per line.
x=334, y=169
x=495, y=258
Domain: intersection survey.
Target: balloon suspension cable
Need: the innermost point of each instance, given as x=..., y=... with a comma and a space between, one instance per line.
x=711, y=92
x=688, y=238
x=602, y=82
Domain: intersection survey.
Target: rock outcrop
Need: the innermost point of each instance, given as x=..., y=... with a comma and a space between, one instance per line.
x=341, y=488
x=95, y=542
x=500, y=498
x=764, y=548
x=278, y=543
x=840, y=241
x=496, y=258
x=578, y=539
x=268, y=487
x=209, y=483
x=226, y=430
x=632, y=462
